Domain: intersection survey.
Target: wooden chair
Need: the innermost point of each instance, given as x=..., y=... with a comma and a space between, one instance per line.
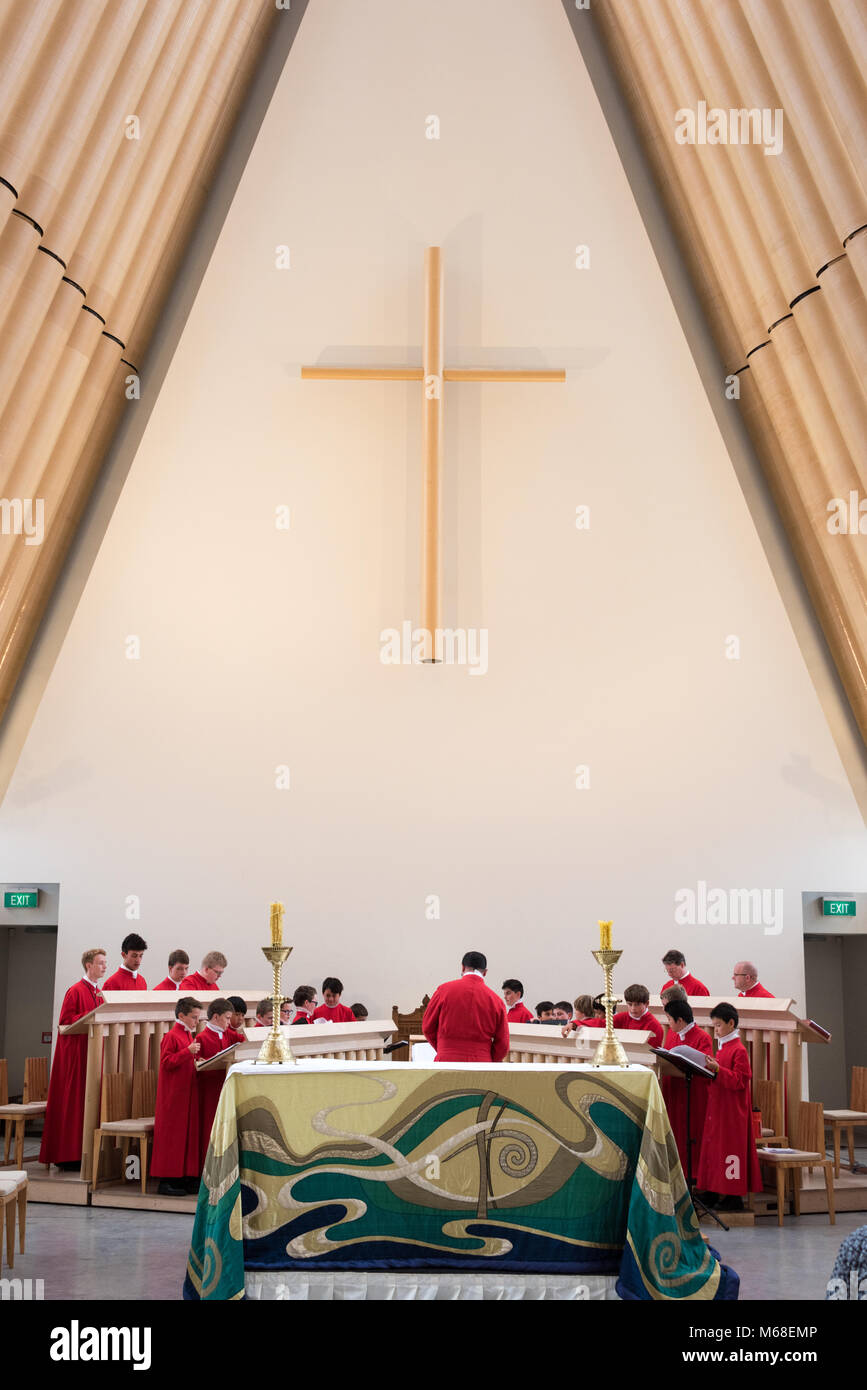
x=407, y=1024
x=810, y=1153
x=837, y=1120
x=769, y=1099
x=31, y=1106
x=125, y=1101
x=13, y=1192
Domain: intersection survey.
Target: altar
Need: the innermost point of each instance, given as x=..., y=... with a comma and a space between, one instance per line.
x=333, y=1169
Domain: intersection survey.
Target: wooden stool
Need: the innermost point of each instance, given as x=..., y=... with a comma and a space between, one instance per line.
x=837, y=1120
x=32, y=1105
x=810, y=1132
x=13, y=1191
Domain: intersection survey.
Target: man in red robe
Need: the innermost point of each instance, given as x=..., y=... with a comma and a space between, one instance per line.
x=675, y=965
x=179, y=964
x=465, y=1021
x=128, y=975
x=516, y=1009
x=207, y=977
x=684, y=1032
x=728, y=1167
x=215, y=1037
x=746, y=981
x=64, y=1115
x=332, y=1009
x=637, y=1014
x=176, y=1155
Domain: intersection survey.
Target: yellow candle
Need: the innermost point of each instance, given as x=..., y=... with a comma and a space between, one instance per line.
x=276, y=924
x=605, y=936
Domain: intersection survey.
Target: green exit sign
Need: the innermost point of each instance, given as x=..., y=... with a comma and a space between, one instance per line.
x=838, y=907
x=30, y=899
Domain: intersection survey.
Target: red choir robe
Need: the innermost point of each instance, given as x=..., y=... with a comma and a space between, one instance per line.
x=728, y=1127
x=689, y=983
x=64, y=1116
x=674, y=1094
x=335, y=1013
x=125, y=979
x=176, y=1152
x=576, y=1023
x=647, y=1022
x=465, y=1021
x=519, y=1013
x=195, y=983
x=305, y=1016
x=167, y=983
x=756, y=991
x=210, y=1083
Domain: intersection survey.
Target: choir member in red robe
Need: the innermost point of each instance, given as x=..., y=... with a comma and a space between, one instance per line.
x=332, y=1009
x=129, y=975
x=304, y=1000
x=238, y=1021
x=215, y=1037
x=584, y=1016
x=728, y=1166
x=746, y=981
x=684, y=1032
x=637, y=1014
x=64, y=1116
x=465, y=1021
x=207, y=977
x=176, y=1157
x=359, y=1011
x=516, y=1009
x=563, y=1011
x=264, y=1013
x=179, y=964
x=675, y=965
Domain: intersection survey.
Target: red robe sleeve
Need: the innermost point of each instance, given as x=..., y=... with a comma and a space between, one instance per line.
x=500, y=1044
x=738, y=1076
x=430, y=1022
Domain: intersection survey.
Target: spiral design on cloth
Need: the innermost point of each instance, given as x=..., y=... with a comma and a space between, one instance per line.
x=519, y=1157
x=212, y=1267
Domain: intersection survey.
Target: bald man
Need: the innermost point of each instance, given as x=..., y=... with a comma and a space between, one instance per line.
x=746, y=981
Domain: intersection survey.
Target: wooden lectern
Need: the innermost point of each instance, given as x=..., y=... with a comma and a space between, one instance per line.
x=124, y=1034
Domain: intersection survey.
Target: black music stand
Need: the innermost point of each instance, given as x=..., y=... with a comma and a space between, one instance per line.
x=685, y=1067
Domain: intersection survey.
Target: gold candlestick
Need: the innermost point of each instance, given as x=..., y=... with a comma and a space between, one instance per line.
x=275, y=1048
x=609, y=1052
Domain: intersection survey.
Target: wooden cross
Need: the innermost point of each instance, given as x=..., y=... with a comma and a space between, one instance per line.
x=432, y=374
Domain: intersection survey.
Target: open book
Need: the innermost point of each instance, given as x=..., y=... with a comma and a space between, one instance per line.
x=688, y=1054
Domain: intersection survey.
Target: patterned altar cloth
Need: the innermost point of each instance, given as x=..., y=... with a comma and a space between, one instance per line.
x=497, y=1168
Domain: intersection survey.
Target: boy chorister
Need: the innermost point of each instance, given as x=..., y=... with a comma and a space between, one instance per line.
x=332, y=1009
x=637, y=1013
x=215, y=1037
x=684, y=1032
x=176, y=1155
x=728, y=1166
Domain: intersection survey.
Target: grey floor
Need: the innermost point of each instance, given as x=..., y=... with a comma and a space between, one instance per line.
x=115, y=1254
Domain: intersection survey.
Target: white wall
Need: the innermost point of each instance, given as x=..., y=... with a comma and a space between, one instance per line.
x=155, y=777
